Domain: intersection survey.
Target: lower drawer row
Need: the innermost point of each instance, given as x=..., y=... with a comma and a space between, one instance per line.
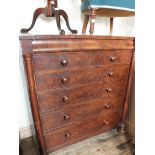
x=71, y=114
x=72, y=134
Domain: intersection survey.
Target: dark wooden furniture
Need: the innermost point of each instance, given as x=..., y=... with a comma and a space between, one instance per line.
x=51, y=10
x=78, y=86
x=105, y=8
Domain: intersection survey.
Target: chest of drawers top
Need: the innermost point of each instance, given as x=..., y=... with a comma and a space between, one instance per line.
x=70, y=43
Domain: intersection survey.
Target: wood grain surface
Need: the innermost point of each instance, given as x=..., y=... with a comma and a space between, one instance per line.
x=78, y=86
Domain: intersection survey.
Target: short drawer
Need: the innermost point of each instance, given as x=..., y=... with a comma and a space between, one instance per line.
x=62, y=97
x=57, y=61
x=115, y=57
x=47, y=61
x=80, y=131
x=61, y=79
x=75, y=113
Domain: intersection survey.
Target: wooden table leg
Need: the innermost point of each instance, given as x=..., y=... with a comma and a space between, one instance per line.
x=57, y=16
x=92, y=20
x=86, y=20
x=37, y=12
x=111, y=25
x=65, y=16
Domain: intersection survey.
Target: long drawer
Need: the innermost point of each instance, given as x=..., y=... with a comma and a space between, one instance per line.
x=74, y=113
x=58, y=61
x=62, y=97
x=82, y=130
x=47, y=81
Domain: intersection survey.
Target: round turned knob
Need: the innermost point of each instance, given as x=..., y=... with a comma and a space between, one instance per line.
x=64, y=62
x=64, y=80
x=107, y=106
x=106, y=122
x=112, y=59
x=111, y=74
x=65, y=99
x=67, y=135
x=66, y=117
x=109, y=90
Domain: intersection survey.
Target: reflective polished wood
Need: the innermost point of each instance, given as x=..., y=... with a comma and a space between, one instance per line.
x=78, y=86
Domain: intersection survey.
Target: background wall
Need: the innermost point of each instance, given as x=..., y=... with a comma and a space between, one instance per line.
x=122, y=26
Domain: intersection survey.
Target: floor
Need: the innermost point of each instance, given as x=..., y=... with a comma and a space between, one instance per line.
x=109, y=143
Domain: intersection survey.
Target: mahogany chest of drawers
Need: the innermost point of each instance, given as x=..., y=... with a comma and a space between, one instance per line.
x=78, y=86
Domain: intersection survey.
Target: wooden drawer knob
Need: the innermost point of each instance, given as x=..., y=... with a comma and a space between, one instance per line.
x=111, y=74
x=65, y=99
x=67, y=135
x=66, y=117
x=107, y=106
x=106, y=123
x=109, y=90
x=64, y=62
x=112, y=59
x=64, y=80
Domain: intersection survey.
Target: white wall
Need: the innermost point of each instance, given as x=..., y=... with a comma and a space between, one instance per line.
x=122, y=26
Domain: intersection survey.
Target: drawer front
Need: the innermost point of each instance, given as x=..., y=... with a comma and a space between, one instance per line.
x=72, y=114
x=111, y=58
x=46, y=62
x=63, y=97
x=82, y=130
x=47, y=81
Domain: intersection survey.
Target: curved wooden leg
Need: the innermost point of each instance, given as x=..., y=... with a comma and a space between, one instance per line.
x=92, y=20
x=37, y=12
x=64, y=14
x=86, y=20
x=57, y=16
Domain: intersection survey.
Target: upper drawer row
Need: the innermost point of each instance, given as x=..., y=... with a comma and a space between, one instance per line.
x=56, y=61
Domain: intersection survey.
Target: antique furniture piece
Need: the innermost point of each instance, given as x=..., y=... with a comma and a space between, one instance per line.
x=51, y=10
x=78, y=86
x=106, y=8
